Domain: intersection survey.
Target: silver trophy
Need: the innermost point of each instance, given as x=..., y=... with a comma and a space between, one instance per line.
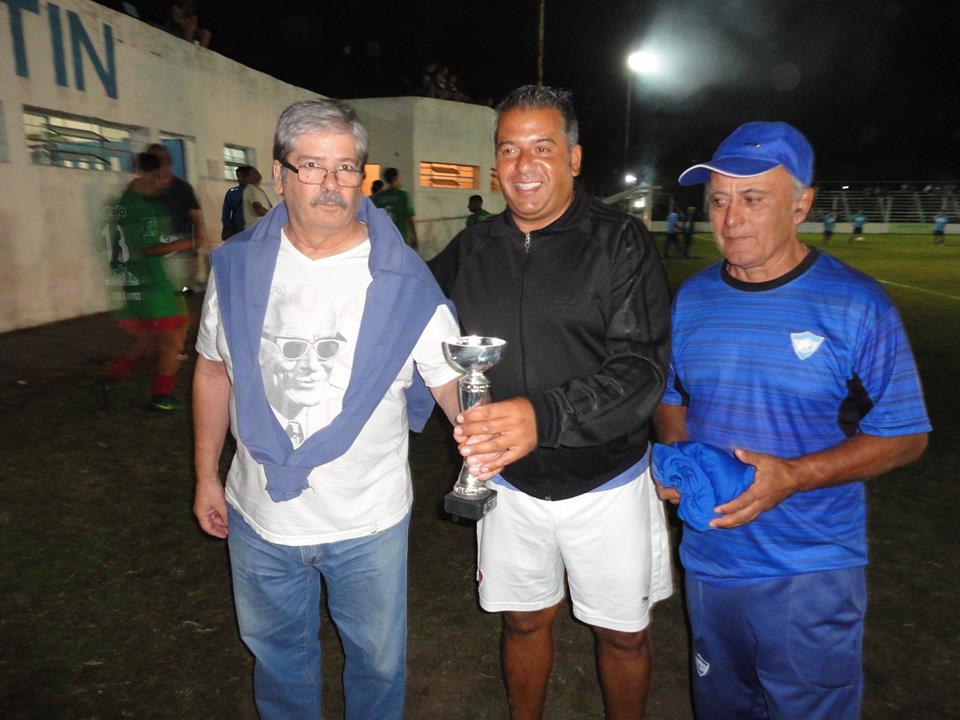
x=473, y=355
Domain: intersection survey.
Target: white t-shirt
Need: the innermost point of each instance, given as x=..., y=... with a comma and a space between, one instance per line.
x=252, y=194
x=306, y=355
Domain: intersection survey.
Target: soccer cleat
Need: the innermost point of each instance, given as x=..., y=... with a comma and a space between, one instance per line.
x=164, y=403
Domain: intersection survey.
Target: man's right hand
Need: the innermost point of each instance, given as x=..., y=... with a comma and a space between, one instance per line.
x=667, y=494
x=210, y=507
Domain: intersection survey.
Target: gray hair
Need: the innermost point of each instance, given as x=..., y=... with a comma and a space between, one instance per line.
x=321, y=115
x=541, y=97
x=798, y=186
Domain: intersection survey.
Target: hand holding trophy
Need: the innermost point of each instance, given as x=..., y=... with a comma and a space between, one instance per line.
x=473, y=355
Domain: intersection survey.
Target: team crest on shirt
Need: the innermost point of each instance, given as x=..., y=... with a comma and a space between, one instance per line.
x=703, y=667
x=805, y=344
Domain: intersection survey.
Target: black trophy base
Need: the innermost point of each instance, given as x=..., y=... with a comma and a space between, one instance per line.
x=470, y=508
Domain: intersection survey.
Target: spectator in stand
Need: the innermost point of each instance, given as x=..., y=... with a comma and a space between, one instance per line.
x=231, y=217
x=453, y=90
x=442, y=81
x=184, y=24
x=428, y=84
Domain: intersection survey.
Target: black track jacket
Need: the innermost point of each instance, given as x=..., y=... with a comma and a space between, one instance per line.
x=584, y=307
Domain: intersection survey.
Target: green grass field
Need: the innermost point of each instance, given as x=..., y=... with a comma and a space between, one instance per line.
x=113, y=605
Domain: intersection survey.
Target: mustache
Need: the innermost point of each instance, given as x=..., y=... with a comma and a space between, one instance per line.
x=329, y=197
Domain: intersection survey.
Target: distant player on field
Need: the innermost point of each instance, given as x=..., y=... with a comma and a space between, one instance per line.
x=829, y=220
x=940, y=221
x=859, y=219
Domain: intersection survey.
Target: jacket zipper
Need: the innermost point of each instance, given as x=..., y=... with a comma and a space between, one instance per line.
x=523, y=283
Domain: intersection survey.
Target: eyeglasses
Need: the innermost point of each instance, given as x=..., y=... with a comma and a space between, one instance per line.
x=295, y=348
x=315, y=175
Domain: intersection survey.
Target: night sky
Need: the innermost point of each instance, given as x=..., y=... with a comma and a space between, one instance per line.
x=874, y=84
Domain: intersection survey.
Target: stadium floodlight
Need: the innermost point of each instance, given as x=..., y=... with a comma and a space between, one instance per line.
x=844, y=187
x=644, y=62
x=639, y=203
x=629, y=179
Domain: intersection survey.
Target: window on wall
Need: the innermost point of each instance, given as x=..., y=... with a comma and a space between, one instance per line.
x=449, y=175
x=494, y=181
x=76, y=142
x=372, y=171
x=234, y=156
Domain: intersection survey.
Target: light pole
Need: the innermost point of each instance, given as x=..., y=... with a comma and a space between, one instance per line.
x=639, y=62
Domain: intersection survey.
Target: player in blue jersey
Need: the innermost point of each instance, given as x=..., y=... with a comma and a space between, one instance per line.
x=673, y=220
x=940, y=221
x=800, y=366
x=859, y=219
x=829, y=220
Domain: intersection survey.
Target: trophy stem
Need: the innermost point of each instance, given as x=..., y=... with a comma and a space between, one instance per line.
x=470, y=497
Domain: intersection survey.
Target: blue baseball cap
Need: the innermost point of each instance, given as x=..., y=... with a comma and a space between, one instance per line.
x=753, y=149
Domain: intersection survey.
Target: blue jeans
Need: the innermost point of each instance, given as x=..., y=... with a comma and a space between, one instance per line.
x=277, y=594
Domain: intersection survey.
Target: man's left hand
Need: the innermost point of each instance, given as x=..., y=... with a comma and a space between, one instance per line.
x=775, y=480
x=513, y=427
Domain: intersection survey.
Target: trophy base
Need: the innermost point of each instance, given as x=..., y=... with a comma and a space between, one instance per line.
x=470, y=508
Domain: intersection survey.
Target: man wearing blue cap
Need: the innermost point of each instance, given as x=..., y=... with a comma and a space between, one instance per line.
x=800, y=366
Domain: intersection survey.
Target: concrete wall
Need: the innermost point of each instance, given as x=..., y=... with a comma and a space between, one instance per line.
x=160, y=85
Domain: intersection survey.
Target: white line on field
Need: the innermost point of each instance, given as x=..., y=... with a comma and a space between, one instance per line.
x=914, y=287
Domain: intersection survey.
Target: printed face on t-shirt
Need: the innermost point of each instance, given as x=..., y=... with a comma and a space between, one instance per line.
x=297, y=348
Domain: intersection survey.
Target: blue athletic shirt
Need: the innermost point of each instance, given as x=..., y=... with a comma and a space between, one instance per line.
x=940, y=222
x=232, y=214
x=789, y=367
x=672, y=220
x=828, y=222
x=858, y=221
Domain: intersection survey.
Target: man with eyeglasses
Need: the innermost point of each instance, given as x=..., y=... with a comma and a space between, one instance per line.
x=321, y=334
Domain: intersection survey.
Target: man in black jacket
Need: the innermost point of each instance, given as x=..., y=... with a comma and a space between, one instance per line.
x=579, y=294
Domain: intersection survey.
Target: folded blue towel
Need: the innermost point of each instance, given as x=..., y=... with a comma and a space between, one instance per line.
x=704, y=475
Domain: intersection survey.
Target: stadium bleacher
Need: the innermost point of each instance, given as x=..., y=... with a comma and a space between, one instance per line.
x=886, y=203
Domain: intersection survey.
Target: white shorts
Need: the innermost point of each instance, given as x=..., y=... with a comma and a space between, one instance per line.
x=613, y=544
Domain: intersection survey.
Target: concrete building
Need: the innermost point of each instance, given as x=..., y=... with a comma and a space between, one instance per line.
x=84, y=88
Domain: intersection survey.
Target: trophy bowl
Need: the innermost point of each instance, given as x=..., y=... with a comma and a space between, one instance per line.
x=473, y=353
